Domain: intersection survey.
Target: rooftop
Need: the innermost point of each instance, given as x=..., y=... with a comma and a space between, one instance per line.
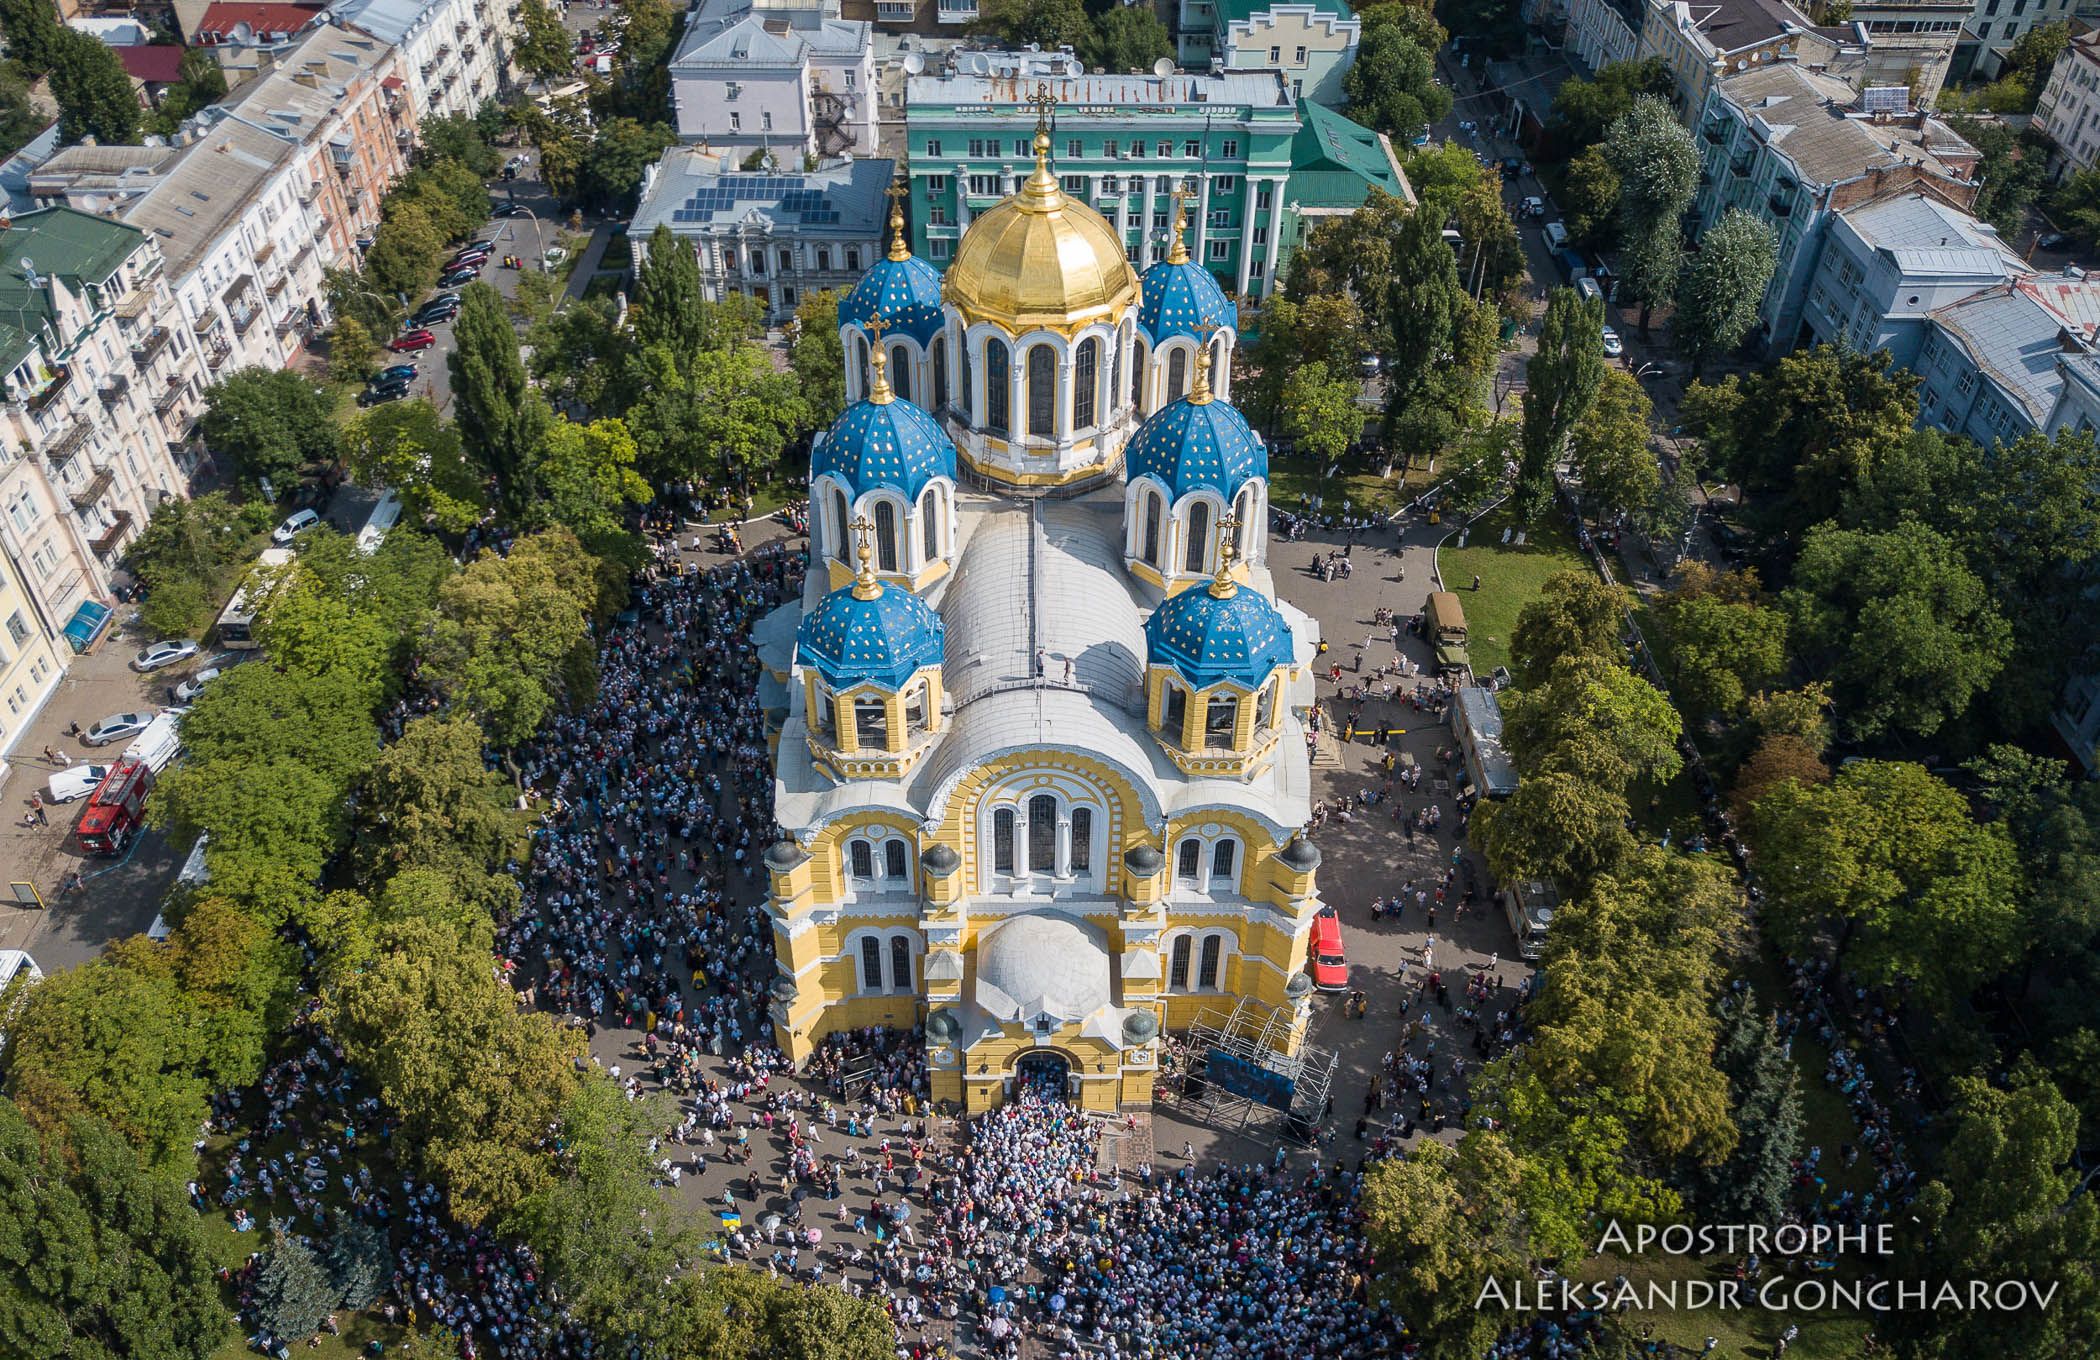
x=159, y=64
x=1240, y=11
x=694, y=191
x=2015, y=333
x=1926, y=238
x=389, y=21
x=61, y=242
x=1732, y=25
x=224, y=17
x=1328, y=141
x=1812, y=120
x=308, y=83
x=205, y=191
x=1077, y=96
x=752, y=33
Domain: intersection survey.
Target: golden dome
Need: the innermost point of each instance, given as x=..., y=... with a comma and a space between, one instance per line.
x=1040, y=261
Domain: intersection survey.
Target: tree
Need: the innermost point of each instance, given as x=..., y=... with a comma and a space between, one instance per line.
x=20, y=119
x=1718, y=300
x=467, y=140
x=1720, y=641
x=1327, y=328
x=360, y=1263
x=188, y=555
x=587, y=482
x=2012, y=169
x=350, y=294
x=1658, y=167
x=582, y=355
x=1577, y=1159
x=542, y=45
x=407, y=252
x=1608, y=448
x=103, y=1259
x=2033, y=54
x=33, y=35
x=203, y=83
x=501, y=419
x=1904, y=631
x=511, y=639
x=1924, y=895
x=1393, y=85
x=2075, y=206
x=1422, y=306
x=270, y=423
x=1589, y=199
x=1575, y=615
x=1050, y=24
x=293, y=1294
x=1441, y=1223
x=1584, y=109
x=1561, y=379
x=93, y=92
x=612, y=171
x=736, y=1313
x=609, y=1240
x=715, y=412
x=1320, y=412
x=310, y=630
x=1754, y=1184
x=352, y=352
x=817, y=357
x=1556, y=825
x=475, y=1081
x=1358, y=254
x=430, y=802
x=669, y=306
x=408, y=446
x=1596, y=720
x=1126, y=38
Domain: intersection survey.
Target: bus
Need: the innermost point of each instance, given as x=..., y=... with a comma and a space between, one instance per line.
x=236, y=626
x=1476, y=719
x=379, y=522
x=194, y=874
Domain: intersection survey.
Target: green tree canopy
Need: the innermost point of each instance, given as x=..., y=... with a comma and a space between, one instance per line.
x=430, y=802
x=588, y=485
x=270, y=422
x=33, y=35
x=1608, y=448
x=293, y=1294
x=1320, y=411
x=408, y=446
x=737, y=1313
x=1126, y=38
x=1575, y=615
x=500, y=418
x=1589, y=199
x=1720, y=640
x=511, y=640
x=1596, y=720
x=93, y=92
x=1718, y=298
x=817, y=357
x=1561, y=382
x=1556, y=825
x=1584, y=109
x=190, y=554
x=1440, y=1223
x=1393, y=86
x=1050, y=24
x=1658, y=168
x=542, y=46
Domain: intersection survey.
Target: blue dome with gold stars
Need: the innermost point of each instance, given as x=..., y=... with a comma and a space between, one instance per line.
x=1223, y=632
x=870, y=633
x=1197, y=441
x=892, y=444
x=1181, y=298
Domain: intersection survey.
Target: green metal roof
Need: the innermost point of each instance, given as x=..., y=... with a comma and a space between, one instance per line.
x=66, y=243
x=1328, y=142
x=1236, y=11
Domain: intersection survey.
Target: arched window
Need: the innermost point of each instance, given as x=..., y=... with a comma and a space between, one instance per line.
x=915, y=709
x=1082, y=840
x=900, y=371
x=860, y=354
x=822, y=715
x=1265, y=706
x=1213, y=953
x=1137, y=377
x=885, y=536
x=998, y=388
x=1086, y=376
x=1042, y=391
x=1220, y=721
x=1042, y=834
x=1196, y=554
x=1177, y=374
x=1219, y=378
x=870, y=964
x=962, y=380
x=1188, y=860
x=1178, y=969
x=930, y=524
x=900, y=964
x=1154, y=504
x=1244, y=512
x=1177, y=710
x=1003, y=841
x=895, y=863
x=940, y=371
x=843, y=518
x=871, y=723
x=863, y=859
x=1222, y=856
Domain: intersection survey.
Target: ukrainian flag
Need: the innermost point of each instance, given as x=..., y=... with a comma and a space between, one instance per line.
x=731, y=1219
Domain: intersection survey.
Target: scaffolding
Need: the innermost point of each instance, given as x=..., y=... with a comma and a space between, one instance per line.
x=1258, y=1035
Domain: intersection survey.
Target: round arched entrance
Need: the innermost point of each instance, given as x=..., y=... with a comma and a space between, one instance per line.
x=1048, y=1074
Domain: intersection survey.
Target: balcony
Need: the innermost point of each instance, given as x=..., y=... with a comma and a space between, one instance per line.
x=290, y=323
x=265, y=251
x=171, y=398
x=245, y=319
x=1716, y=134
x=113, y=391
x=41, y=401
x=957, y=11
x=1740, y=166
x=69, y=443
x=134, y=307
x=114, y=535
x=98, y=484
x=274, y=287
x=1780, y=205
x=149, y=347
x=215, y=357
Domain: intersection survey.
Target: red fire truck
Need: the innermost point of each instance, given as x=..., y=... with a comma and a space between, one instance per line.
x=117, y=807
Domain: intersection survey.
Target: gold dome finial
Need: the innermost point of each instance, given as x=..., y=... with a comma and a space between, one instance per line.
x=865, y=585
x=1199, y=392
x=1178, y=252
x=879, y=388
x=1222, y=586
x=1041, y=192
x=898, y=192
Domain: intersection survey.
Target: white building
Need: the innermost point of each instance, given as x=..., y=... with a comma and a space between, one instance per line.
x=789, y=76
x=1601, y=32
x=455, y=53
x=2069, y=107
x=1994, y=25
x=773, y=235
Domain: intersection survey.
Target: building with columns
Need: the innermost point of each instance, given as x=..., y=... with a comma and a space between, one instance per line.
x=1041, y=765
x=1263, y=164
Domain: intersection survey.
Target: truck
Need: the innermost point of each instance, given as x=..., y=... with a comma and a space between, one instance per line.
x=117, y=809
x=1476, y=720
x=1444, y=624
x=1530, y=905
x=159, y=743
x=236, y=626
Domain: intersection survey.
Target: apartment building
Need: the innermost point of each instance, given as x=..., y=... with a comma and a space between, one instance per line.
x=455, y=54
x=1793, y=148
x=1910, y=43
x=1703, y=43
x=2068, y=110
x=789, y=76
x=1992, y=363
x=248, y=37
x=101, y=389
x=1993, y=26
x=1888, y=265
x=1601, y=32
x=1313, y=42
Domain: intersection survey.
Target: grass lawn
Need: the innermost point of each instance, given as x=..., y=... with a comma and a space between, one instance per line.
x=619, y=253
x=1746, y=1333
x=765, y=501
x=1293, y=482
x=1510, y=578
x=605, y=286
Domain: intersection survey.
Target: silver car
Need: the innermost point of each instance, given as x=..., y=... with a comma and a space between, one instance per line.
x=116, y=727
x=164, y=654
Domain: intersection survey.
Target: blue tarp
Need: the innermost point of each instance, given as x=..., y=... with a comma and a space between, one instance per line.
x=87, y=624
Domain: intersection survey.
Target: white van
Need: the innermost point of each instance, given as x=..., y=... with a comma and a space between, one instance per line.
x=159, y=744
x=74, y=782
x=1589, y=290
x=13, y=961
x=1556, y=234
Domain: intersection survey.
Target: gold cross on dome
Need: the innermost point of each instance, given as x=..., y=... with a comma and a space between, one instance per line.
x=1043, y=101
x=865, y=587
x=897, y=192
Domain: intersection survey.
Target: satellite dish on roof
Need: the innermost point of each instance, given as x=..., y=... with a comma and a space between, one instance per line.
x=1163, y=67
x=914, y=62
x=1077, y=68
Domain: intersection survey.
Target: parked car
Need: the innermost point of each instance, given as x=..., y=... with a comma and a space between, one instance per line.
x=435, y=316
x=1534, y=206
x=188, y=690
x=468, y=259
x=2052, y=240
x=403, y=372
x=411, y=340
x=1369, y=365
x=295, y=524
x=74, y=783
x=1330, y=967
x=1613, y=345
x=460, y=276
x=380, y=396
x=116, y=727
x=164, y=653
x=512, y=210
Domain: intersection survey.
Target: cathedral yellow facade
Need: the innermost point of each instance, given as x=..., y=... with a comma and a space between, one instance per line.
x=1040, y=758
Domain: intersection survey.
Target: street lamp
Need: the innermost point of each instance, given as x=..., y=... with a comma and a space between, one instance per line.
x=539, y=242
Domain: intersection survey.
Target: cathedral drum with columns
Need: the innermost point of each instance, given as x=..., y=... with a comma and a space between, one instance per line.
x=1041, y=763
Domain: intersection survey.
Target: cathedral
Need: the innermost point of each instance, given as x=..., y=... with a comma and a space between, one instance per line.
x=1038, y=721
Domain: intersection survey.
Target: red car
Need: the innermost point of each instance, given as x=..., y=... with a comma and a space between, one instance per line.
x=412, y=340
x=1330, y=969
